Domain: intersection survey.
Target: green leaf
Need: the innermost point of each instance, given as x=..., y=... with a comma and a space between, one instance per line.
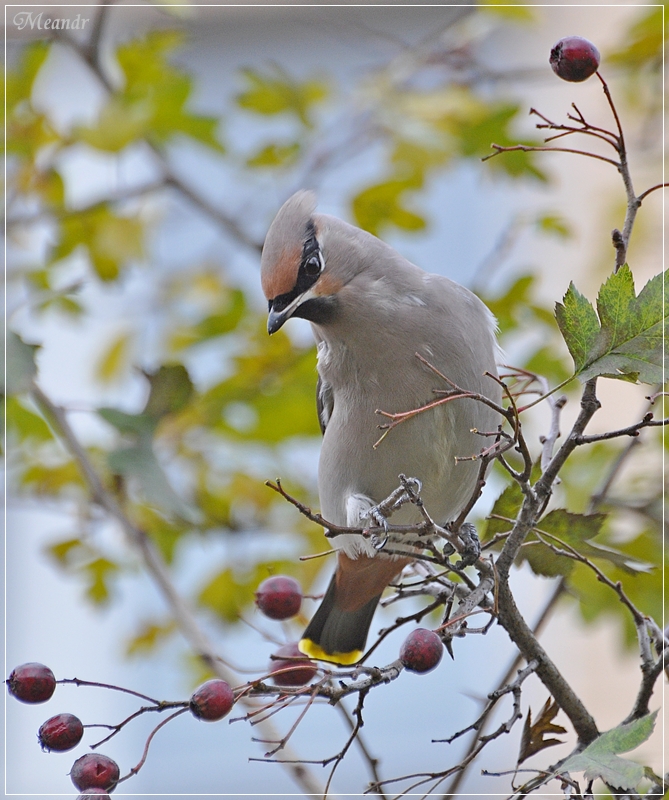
x=134, y=424
x=644, y=589
x=171, y=390
x=21, y=368
x=509, y=10
x=382, y=205
x=230, y=311
x=554, y=224
x=274, y=155
x=52, y=480
x=579, y=325
x=642, y=43
x=140, y=463
x=278, y=93
x=153, y=104
x=149, y=637
x=577, y=531
x=98, y=573
x=26, y=424
x=633, y=328
x=507, y=505
x=20, y=80
x=230, y=591
x=627, y=340
x=278, y=385
x=600, y=759
x=111, y=241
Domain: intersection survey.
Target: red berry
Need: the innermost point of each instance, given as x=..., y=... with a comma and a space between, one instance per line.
x=422, y=650
x=94, y=771
x=61, y=733
x=290, y=667
x=574, y=59
x=212, y=701
x=32, y=683
x=279, y=597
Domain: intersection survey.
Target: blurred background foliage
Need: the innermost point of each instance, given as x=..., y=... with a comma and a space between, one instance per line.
x=191, y=460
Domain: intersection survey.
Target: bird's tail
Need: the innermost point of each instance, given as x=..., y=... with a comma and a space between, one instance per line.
x=338, y=629
x=335, y=634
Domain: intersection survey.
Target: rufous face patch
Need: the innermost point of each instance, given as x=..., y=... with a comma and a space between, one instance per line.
x=282, y=276
x=327, y=285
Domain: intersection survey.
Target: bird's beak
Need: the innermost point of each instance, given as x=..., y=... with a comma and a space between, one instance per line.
x=277, y=317
x=275, y=320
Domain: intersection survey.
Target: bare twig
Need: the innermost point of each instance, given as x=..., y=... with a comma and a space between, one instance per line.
x=645, y=194
x=142, y=760
x=371, y=761
x=526, y=148
x=513, y=688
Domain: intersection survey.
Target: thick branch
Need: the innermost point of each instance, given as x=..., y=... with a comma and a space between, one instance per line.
x=521, y=634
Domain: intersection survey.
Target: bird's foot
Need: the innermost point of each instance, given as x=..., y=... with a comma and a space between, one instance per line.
x=408, y=492
x=471, y=545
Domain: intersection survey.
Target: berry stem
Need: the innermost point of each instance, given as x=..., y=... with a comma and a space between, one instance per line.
x=149, y=739
x=79, y=682
x=117, y=728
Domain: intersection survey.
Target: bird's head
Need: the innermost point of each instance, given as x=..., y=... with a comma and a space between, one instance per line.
x=294, y=274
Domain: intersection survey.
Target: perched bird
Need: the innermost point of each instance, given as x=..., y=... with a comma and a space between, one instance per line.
x=371, y=312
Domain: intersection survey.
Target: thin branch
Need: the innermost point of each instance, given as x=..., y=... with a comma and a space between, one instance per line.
x=142, y=760
x=97, y=685
x=645, y=194
x=370, y=760
x=631, y=430
x=513, y=688
x=524, y=148
x=115, y=729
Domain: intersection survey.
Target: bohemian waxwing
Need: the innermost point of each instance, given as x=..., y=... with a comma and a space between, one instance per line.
x=371, y=311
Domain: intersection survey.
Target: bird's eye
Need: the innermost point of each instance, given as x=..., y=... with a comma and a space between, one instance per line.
x=312, y=266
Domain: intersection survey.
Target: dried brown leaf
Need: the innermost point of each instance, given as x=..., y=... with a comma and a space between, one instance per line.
x=533, y=740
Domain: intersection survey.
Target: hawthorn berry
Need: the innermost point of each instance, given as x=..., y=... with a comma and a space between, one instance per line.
x=31, y=683
x=290, y=667
x=61, y=733
x=279, y=597
x=421, y=651
x=94, y=771
x=212, y=701
x=574, y=59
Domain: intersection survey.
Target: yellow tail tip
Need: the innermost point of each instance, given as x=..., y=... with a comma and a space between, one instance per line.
x=314, y=650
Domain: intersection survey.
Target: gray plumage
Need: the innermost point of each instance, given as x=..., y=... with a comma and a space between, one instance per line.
x=371, y=311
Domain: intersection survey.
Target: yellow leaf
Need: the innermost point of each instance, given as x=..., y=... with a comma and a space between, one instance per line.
x=115, y=359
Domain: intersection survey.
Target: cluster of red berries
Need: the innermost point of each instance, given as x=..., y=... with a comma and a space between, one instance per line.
x=280, y=597
x=95, y=774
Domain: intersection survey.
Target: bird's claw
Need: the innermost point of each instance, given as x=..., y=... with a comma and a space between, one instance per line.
x=471, y=545
x=378, y=517
x=379, y=544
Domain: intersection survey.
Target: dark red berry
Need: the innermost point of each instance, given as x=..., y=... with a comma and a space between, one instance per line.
x=94, y=771
x=61, y=733
x=32, y=683
x=290, y=667
x=422, y=650
x=279, y=597
x=574, y=59
x=212, y=701
x=94, y=794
